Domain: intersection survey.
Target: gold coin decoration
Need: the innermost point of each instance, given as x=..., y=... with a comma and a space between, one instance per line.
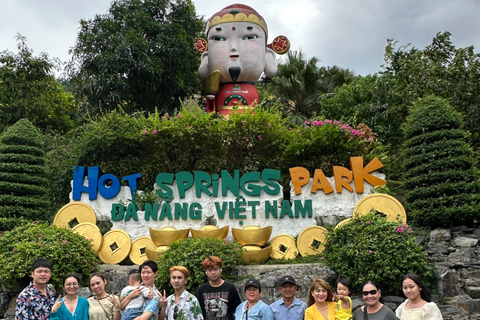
x=343, y=222
x=138, y=252
x=90, y=232
x=283, y=247
x=312, y=240
x=74, y=213
x=115, y=247
x=383, y=203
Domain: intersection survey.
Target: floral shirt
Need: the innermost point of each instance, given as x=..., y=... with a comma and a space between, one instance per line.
x=187, y=308
x=33, y=304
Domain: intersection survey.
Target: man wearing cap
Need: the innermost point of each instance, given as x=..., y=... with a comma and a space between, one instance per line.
x=253, y=308
x=288, y=307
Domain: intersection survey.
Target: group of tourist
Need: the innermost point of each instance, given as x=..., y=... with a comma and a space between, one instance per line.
x=215, y=300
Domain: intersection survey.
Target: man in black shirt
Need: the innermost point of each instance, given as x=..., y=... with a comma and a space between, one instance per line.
x=217, y=298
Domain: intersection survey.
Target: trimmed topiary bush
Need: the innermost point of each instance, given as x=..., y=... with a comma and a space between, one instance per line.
x=371, y=248
x=440, y=176
x=67, y=251
x=190, y=253
x=22, y=173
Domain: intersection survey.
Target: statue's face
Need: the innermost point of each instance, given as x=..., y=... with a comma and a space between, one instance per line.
x=237, y=44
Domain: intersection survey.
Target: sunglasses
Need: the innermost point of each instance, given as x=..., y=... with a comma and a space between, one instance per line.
x=175, y=310
x=372, y=292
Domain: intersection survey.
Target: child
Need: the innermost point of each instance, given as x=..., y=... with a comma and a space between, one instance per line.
x=134, y=308
x=343, y=309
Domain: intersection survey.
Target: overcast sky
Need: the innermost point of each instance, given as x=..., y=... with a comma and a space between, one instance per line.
x=349, y=33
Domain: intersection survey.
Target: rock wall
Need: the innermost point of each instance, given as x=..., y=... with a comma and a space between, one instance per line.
x=455, y=253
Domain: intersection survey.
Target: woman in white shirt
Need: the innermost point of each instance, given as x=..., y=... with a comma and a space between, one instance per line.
x=419, y=305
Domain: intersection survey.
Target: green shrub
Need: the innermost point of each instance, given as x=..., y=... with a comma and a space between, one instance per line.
x=371, y=248
x=67, y=251
x=323, y=144
x=23, y=186
x=7, y=224
x=440, y=177
x=190, y=253
x=253, y=142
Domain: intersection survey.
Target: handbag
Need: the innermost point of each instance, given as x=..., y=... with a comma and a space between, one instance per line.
x=365, y=313
x=101, y=305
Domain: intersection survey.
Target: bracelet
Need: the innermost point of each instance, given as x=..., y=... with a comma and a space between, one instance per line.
x=116, y=310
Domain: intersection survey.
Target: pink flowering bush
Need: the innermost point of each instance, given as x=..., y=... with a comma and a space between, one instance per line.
x=371, y=248
x=67, y=251
x=321, y=144
x=190, y=253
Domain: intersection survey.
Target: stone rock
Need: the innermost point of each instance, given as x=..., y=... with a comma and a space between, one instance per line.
x=464, y=242
x=439, y=235
x=440, y=248
x=462, y=257
x=450, y=283
x=473, y=292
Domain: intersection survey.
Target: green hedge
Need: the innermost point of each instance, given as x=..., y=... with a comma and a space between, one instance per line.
x=197, y=141
x=441, y=181
x=23, y=185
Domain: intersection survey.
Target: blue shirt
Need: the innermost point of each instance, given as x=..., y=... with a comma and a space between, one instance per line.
x=81, y=311
x=260, y=311
x=296, y=311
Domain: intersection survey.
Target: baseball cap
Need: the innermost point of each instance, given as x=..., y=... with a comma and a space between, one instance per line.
x=254, y=283
x=286, y=279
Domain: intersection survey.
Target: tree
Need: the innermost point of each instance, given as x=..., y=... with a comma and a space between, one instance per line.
x=22, y=173
x=300, y=83
x=139, y=55
x=28, y=89
x=440, y=177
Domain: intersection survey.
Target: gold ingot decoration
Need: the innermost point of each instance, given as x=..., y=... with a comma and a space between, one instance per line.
x=210, y=231
x=383, y=203
x=252, y=235
x=283, y=247
x=90, y=232
x=343, y=222
x=115, y=247
x=138, y=252
x=312, y=240
x=255, y=254
x=167, y=235
x=211, y=83
x=74, y=213
x=158, y=252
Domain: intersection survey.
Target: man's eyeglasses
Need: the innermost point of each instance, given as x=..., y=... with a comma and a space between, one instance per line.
x=372, y=292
